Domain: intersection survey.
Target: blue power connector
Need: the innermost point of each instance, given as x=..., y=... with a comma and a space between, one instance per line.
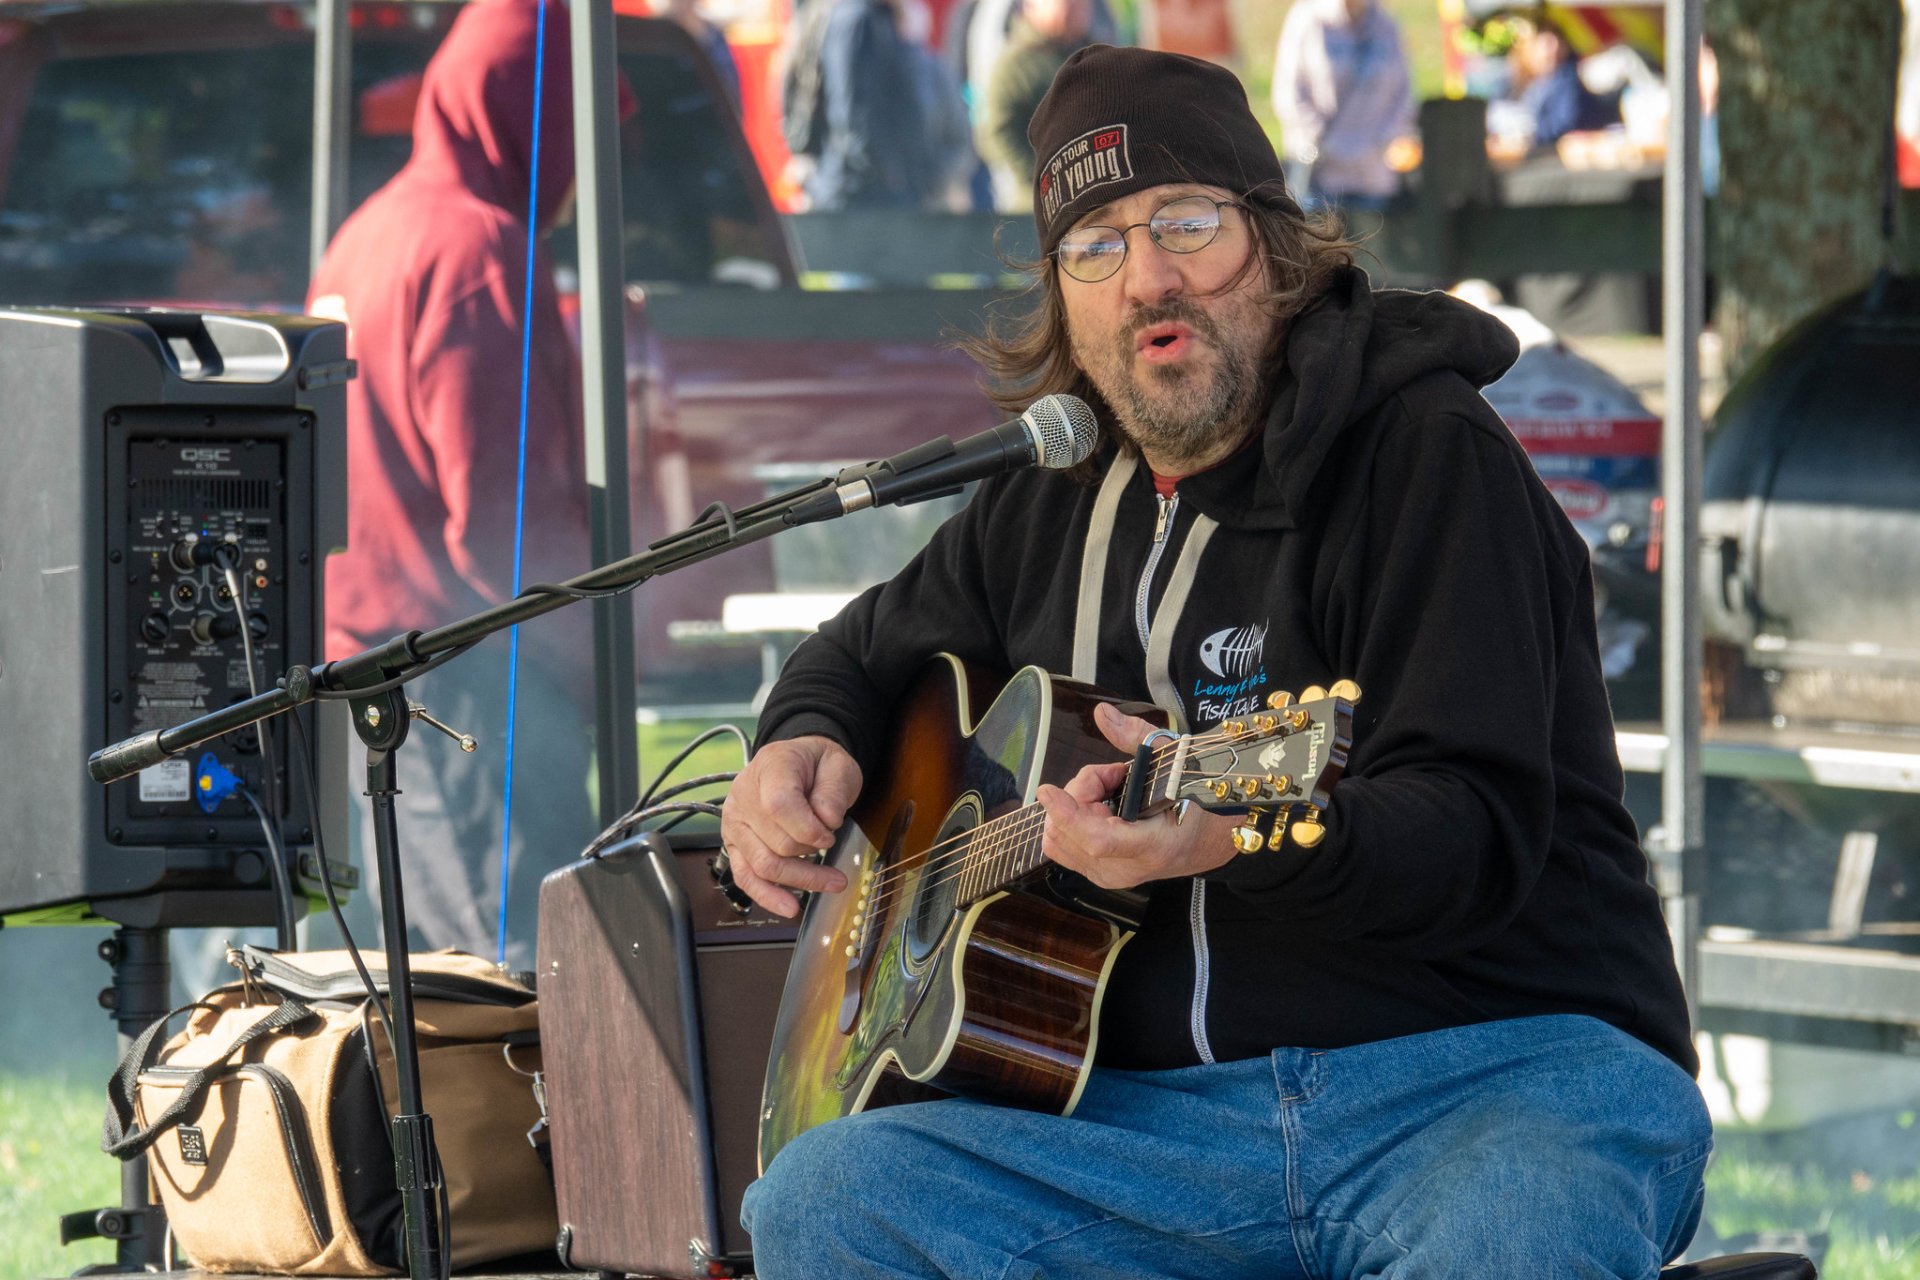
x=213, y=782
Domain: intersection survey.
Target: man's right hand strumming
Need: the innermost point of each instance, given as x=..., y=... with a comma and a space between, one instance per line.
x=782, y=810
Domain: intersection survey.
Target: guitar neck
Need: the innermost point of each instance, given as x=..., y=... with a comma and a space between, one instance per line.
x=1006, y=850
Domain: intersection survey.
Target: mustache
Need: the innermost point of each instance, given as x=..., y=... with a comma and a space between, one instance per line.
x=1171, y=311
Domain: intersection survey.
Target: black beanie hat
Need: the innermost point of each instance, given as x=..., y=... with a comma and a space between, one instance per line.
x=1116, y=121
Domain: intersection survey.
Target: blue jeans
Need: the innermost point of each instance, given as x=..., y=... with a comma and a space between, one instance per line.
x=1540, y=1148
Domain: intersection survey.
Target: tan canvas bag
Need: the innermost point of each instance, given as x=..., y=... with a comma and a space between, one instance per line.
x=266, y=1119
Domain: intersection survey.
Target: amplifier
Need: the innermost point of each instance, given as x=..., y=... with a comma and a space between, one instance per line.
x=152, y=453
x=657, y=1006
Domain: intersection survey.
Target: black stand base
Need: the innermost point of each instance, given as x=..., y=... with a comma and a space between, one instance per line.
x=142, y=985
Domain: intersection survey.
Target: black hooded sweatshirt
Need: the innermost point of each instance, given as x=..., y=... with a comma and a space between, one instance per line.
x=1478, y=863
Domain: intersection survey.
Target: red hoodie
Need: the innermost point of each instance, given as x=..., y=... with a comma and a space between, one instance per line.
x=430, y=274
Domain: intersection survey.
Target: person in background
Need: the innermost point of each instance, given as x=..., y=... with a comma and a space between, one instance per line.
x=1044, y=37
x=851, y=109
x=430, y=277
x=1343, y=97
x=712, y=40
x=989, y=25
x=1548, y=86
x=1709, y=121
x=943, y=106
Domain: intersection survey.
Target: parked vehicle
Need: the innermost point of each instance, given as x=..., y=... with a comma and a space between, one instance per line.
x=159, y=151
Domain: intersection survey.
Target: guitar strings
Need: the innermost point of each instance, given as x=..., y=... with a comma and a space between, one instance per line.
x=989, y=840
x=1010, y=834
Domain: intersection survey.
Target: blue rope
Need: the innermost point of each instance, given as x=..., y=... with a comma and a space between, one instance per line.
x=520, y=482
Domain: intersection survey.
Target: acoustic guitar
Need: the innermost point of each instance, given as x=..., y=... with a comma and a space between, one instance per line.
x=959, y=960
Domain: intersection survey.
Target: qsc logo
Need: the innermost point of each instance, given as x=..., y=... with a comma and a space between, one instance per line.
x=191, y=454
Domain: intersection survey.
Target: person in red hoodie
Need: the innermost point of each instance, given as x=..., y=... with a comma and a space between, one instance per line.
x=430, y=275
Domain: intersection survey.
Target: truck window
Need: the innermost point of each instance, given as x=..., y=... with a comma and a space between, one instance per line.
x=135, y=177
x=181, y=172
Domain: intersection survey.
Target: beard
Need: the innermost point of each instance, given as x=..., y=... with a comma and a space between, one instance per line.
x=1182, y=411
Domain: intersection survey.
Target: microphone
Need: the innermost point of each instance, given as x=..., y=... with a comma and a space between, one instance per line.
x=1057, y=432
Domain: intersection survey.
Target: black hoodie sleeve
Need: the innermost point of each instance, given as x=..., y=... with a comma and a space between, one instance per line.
x=1448, y=603
x=842, y=681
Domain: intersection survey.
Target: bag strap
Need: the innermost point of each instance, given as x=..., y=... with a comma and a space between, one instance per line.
x=121, y=1136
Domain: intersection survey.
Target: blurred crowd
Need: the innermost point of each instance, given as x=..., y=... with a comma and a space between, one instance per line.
x=877, y=114
x=923, y=104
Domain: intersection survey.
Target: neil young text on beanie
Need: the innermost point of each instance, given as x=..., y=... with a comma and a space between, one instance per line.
x=1116, y=121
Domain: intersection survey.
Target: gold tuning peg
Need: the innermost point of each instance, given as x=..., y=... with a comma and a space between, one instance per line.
x=1345, y=689
x=1279, y=699
x=1233, y=728
x=1249, y=788
x=1279, y=836
x=1266, y=724
x=1312, y=693
x=1308, y=832
x=1247, y=839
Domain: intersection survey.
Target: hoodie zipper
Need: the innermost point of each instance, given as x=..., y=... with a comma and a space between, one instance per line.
x=1162, y=526
x=1197, y=907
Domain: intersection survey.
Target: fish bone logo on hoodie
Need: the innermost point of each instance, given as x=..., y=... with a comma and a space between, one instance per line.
x=1234, y=655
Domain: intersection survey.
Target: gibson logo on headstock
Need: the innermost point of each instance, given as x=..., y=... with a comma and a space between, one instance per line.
x=1273, y=756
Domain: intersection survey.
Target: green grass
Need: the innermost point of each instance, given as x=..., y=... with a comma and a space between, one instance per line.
x=50, y=1164
x=1872, y=1220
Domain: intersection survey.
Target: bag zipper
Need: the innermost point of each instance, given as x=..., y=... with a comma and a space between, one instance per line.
x=1197, y=903
x=274, y=972
x=292, y=1115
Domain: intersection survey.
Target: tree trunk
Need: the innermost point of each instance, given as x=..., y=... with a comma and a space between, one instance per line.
x=1806, y=103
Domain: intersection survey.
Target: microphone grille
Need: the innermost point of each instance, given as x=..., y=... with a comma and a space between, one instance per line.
x=1064, y=431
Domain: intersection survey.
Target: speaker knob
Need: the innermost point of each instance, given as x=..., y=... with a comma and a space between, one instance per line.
x=208, y=627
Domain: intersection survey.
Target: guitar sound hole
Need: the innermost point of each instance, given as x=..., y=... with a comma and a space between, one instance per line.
x=935, y=895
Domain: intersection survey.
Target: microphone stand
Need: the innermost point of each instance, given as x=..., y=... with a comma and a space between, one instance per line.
x=371, y=681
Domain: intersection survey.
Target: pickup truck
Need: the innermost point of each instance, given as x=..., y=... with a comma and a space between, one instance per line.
x=159, y=151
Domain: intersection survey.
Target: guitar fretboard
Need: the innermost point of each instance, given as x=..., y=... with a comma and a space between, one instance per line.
x=1006, y=849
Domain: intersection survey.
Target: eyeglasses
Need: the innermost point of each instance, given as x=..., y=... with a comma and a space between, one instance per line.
x=1187, y=224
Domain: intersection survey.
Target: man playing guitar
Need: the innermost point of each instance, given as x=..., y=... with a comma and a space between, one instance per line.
x=1443, y=1035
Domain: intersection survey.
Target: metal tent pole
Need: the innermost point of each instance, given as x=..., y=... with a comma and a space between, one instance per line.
x=596, y=119
x=332, y=95
x=1679, y=845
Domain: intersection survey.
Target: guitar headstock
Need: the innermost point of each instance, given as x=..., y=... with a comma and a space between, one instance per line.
x=1278, y=764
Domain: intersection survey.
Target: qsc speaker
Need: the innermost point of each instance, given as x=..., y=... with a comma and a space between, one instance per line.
x=657, y=1006
x=148, y=451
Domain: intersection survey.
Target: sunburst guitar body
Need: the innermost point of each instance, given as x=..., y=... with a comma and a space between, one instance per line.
x=959, y=960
